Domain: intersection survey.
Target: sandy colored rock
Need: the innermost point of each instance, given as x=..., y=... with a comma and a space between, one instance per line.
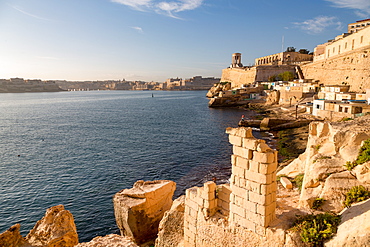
x=362, y=173
x=286, y=183
x=139, y=210
x=55, y=229
x=13, y=238
x=354, y=229
x=111, y=240
x=171, y=227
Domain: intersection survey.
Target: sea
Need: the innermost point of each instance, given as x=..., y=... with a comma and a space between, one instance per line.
x=80, y=148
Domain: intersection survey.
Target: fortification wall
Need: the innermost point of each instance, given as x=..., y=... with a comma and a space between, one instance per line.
x=351, y=68
x=239, y=76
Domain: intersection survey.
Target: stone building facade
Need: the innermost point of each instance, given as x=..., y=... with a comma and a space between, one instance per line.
x=283, y=58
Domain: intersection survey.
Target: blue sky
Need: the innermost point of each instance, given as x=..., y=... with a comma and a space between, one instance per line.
x=153, y=40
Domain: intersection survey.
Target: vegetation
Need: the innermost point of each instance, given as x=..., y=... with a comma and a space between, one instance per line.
x=346, y=119
x=317, y=147
x=356, y=194
x=272, y=78
x=304, y=51
x=290, y=49
x=224, y=82
x=298, y=181
x=315, y=229
x=363, y=156
x=317, y=203
x=286, y=76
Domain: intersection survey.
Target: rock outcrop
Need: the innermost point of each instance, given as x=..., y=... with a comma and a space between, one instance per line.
x=55, y=229
x=111, y=240
x=354, y=229
x=217, y=88
x=329, y=147
x=139, y=210
x=13, y=238
x=171, y=227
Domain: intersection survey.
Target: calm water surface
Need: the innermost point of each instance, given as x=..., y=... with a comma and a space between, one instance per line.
x=80, y=148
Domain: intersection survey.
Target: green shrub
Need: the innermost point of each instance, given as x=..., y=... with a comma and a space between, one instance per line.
x=317, y=203
x=356, y=194
x=315, y=229
x=363, y=156
x=346, y=119
x=298, y=180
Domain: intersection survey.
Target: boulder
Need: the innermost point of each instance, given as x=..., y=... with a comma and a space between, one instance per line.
x=12, y=237
x=354, y=228
x=55, y=229
x=171, y=227
x=111, y=240
x=362, y=173
x=139, y=210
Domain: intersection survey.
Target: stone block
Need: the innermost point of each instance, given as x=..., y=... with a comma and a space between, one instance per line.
x=235, y=140
x=239, y=201
x=251, y=143
x=237, y=210
x=259, y=178
x=261, y=230
x=225, y=206
x=209, y=187
x=241, y=131
x=267, y=168
x=242, y=183
x=242, y=152
x=286, y=183
x=241, y=192
x=192, y=204
x=191, y=193
x=253, y=166
x=237, y=171
x=268, y=188
x=210, y=204
x=260, y=199
x=253, y=186
x=250, y=225
x=250, y=207
x=268, y=157
x=242, y=162
x=193, y=213
x=266, y=209
x=262, y=147
x=233, y=160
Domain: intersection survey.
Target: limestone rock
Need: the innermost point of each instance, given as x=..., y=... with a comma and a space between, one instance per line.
x=362, y=173
x=139, y=210
x=12, y=237
x=111, y=240
x=335, y=188
x=329, y=147
x=354, y=229
x=55, y=229
x=171, y=227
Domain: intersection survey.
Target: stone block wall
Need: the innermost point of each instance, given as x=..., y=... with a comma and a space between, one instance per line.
x=250, y=199
x=253, y=181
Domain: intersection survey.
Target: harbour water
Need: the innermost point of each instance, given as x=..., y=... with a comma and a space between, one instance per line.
x=80, y=148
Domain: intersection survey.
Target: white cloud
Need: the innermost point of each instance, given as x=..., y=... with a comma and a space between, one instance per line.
x=162, y=7
x=362, y=7
x=29, y=14
x=319, y=24
x=139, y=29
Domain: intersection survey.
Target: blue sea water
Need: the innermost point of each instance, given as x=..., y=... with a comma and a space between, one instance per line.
x=80, y=148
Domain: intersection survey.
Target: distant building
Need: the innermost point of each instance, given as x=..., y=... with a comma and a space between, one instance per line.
x=284, y=58
x=358, y=25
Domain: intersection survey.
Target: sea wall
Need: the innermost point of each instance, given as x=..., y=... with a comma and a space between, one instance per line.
x=351, y=68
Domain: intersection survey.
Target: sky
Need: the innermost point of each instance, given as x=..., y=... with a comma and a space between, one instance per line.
x=153, y=40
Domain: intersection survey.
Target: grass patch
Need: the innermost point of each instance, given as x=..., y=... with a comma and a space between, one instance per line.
x=317, y=203
x=363, y=156
x=298, y=181
x=316, y=229
x=356, y=194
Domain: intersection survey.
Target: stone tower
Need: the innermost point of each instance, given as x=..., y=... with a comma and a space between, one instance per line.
x=236, y=60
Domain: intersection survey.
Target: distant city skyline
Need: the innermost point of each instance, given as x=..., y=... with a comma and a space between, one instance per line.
x=152, y=40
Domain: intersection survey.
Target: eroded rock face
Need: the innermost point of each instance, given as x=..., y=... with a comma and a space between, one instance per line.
x=55, y=229
x=354, y=229
x=171, y=227
x=329, y=147
x=139, y=210
x=12, y=237
x=111, y=240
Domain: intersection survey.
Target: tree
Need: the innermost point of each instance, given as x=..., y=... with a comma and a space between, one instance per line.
x=290, y=49
x=304, y=51
x=286, y=76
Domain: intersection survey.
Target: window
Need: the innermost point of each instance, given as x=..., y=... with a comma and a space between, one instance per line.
x=346, y=110
x=338, y=49
x=345, y=45
x=362, y=39
x=353, y=44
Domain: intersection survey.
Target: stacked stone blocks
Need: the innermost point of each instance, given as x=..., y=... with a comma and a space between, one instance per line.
x=253, y=181
x=200, y=202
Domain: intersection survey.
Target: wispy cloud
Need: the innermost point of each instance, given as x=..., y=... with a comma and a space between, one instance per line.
x=139, y=29
x=361, y=7
x=169, y=8
x=319, y=24
x=29, y=14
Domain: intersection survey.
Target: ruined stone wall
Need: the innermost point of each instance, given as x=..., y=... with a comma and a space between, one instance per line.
x=351, y=68
x=246, y=206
